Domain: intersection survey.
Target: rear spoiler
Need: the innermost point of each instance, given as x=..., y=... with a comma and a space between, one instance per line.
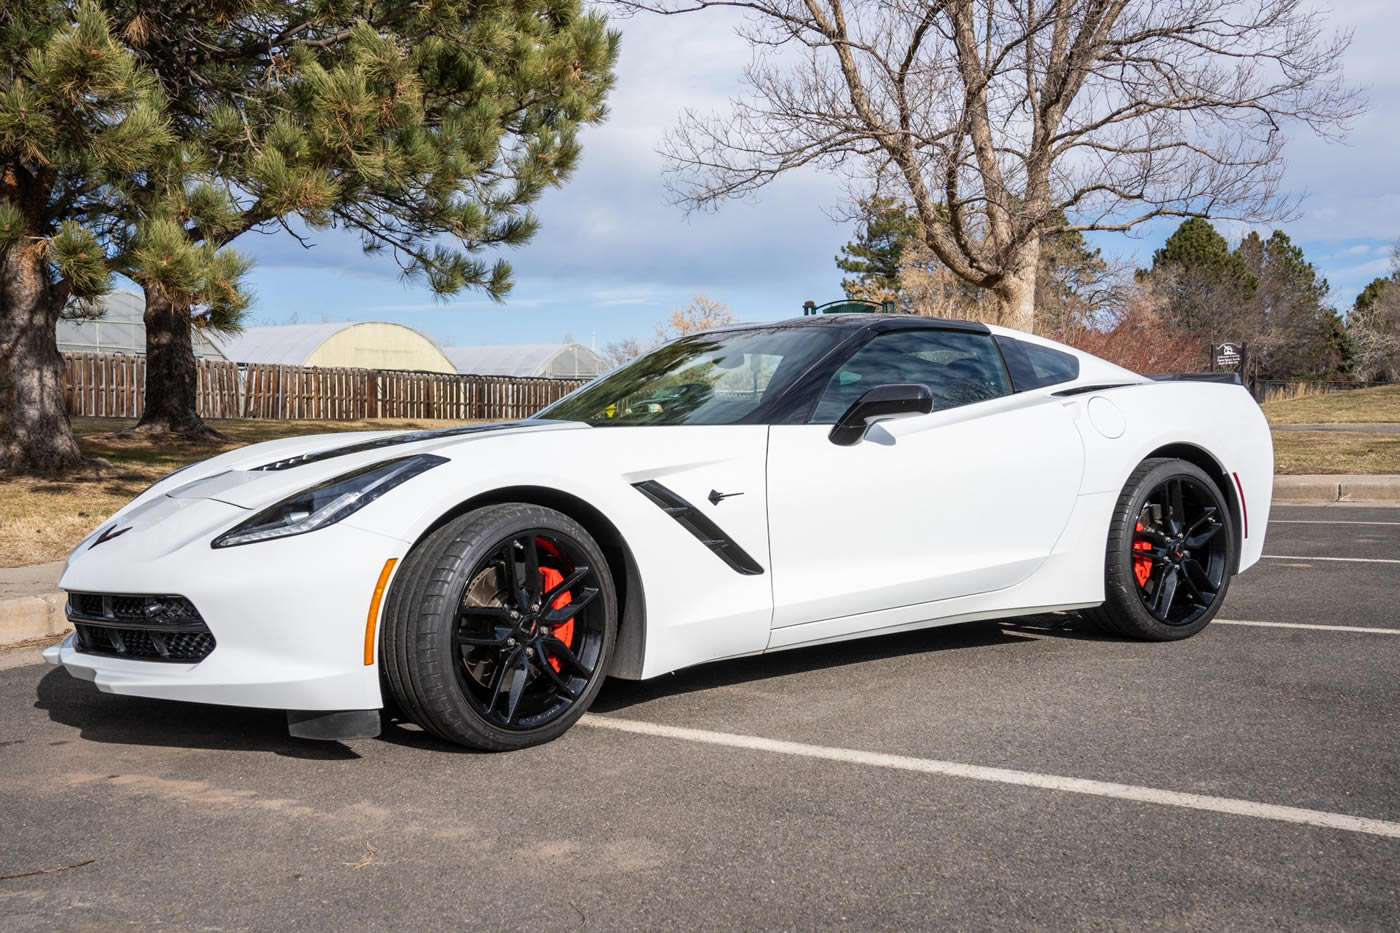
x=1227, y=378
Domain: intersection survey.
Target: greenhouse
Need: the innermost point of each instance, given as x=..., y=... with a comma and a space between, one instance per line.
x=364, y=345
x=546, y=360
x=121, y=328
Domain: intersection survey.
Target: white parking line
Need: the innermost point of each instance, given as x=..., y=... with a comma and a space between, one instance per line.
x=1318, y=521
x=1319, y=628
x=1171, y=798
x=1345, y=560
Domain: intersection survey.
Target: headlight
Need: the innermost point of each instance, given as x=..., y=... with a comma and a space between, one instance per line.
x=327, y=503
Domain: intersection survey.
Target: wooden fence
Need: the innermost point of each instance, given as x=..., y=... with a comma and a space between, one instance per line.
x=114, y=385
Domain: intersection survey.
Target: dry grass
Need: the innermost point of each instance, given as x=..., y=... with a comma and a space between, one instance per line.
x=41, y=519
x=1380, y=404
x=1335, y=452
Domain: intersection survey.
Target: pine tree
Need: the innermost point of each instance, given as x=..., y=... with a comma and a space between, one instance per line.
x=875, y=257
x=1368, y=296
x=427, y=129
x=1205, y=285
x=1290, y=328
x=79, y=117
x=1197, y=243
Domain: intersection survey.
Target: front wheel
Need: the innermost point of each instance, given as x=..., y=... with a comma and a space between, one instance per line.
x=499, y=628
x=1168, y=561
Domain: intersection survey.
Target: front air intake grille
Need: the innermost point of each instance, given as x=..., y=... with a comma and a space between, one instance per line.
x=147, y=628
x=144, y=645
x=141, y=609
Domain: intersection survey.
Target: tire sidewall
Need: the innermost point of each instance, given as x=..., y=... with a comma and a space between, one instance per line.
x=1122, y=592
x=435, y=622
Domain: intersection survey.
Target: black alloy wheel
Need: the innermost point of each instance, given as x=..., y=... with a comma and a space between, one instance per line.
x=527, y=641
x=1180, y=555
x=1170, y=553
x=499, y=628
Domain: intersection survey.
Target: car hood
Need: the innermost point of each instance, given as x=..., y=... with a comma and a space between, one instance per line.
x=263, y=474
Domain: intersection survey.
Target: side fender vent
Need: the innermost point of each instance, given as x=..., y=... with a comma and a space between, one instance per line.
x=699, y=525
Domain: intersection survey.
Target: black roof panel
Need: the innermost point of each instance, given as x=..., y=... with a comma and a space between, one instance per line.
x=862, y=321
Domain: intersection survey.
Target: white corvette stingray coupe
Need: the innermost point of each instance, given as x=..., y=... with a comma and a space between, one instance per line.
x=737, y=491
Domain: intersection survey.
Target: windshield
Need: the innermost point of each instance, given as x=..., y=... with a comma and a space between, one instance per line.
x=706, y=378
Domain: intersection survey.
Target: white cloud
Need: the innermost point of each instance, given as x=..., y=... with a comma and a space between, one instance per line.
x=613, y=297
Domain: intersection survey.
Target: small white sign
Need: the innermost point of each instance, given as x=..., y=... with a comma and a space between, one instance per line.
x=1227, y=354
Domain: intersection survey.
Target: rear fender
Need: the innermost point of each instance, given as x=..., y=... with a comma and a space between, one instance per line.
x=1217, y=426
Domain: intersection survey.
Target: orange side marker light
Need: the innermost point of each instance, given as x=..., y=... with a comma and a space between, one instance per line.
x=372, y=622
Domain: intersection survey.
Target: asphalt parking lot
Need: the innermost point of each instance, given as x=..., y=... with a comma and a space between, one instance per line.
x=987, y=776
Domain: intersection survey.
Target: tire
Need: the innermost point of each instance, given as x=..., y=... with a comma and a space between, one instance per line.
x=1170, y=554
x=463, y=668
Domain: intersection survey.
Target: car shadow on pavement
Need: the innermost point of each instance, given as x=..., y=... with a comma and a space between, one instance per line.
x=397, y=729
x=109, y=718
x=1069, y=625
x=103, y=717
x=621, y=694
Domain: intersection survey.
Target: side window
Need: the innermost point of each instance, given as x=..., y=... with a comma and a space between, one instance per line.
x=1034, y=367
x=958, y=367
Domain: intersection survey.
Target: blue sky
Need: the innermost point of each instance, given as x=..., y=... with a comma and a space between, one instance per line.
x=614, y=256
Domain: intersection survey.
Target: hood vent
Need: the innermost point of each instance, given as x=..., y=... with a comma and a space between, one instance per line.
x=699, y=525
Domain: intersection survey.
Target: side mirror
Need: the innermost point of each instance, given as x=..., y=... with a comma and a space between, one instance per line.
x=882, y=403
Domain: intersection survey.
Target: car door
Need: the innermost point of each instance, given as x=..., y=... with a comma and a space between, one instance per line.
x=967, y=499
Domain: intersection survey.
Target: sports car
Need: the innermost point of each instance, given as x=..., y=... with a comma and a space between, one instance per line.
x=737, y=491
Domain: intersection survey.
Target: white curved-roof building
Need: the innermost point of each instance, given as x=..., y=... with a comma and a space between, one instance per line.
x=359, y=344
x=122, y=329
x=548, y=360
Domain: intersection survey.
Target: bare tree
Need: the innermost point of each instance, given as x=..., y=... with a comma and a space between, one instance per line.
x=1073, y=286
x=928, y=287
x=1134, y=328
x=618, y=352
x=1003, y=121
x=702, y=314
x=1375, y=330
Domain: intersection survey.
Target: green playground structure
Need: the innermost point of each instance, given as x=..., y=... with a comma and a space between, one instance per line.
x=849, y=306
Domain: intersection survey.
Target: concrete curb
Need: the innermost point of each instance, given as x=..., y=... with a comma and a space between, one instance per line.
x=26, y=617
x=31, y=604
x=1375, y=489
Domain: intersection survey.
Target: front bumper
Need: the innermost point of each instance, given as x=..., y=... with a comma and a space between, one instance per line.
x=289, y=616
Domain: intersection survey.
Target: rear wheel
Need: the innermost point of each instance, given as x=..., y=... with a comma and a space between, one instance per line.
x=499, y=628
x=1169, y=557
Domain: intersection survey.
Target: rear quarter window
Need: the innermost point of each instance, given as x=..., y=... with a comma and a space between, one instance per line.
x=1034, y=367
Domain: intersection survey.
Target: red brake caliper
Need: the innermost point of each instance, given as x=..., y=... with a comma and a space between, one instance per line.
x=564, y=631
x=1142, y=566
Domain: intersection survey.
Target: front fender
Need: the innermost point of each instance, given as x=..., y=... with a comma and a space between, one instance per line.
x=698, y=608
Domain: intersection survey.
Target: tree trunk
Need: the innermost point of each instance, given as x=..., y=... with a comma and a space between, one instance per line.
x=35, y=434
x=171, y=378
x=1014, y=295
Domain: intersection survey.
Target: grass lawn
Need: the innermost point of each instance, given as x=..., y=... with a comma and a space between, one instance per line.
x=42, y=519
x=1356, y=406
x=1335, y=452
